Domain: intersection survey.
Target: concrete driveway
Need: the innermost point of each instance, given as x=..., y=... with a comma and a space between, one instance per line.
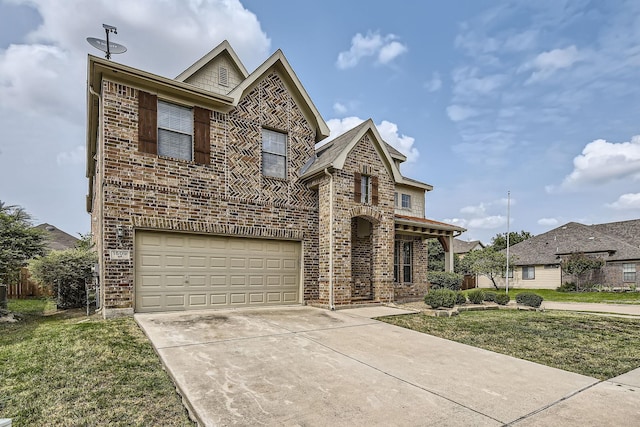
x=308, y=366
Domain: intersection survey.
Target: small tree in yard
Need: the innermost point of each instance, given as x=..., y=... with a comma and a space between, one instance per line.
x=488, y=262
x=578, y=264
x=67, y=271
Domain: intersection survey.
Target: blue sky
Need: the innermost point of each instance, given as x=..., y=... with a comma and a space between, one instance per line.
x=541, y=99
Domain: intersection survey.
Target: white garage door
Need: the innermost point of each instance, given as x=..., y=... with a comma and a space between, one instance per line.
x=194, y=272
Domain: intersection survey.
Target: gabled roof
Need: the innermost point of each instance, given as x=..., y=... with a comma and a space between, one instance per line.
x=279, y=62
x=548, y=247
x=57, y=240
x=463, y=247
x=334, y=154
x=222, y=48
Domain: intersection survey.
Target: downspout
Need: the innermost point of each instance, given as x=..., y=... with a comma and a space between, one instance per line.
x=332, y=306
x=100, y=249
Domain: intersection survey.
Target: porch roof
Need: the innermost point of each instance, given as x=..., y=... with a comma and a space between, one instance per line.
x=427, y=228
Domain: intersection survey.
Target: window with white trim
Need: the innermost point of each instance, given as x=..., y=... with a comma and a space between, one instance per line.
x=629, y=272
x=406, y=201
x=529, y=272
x=175, y=131
x=274, y=154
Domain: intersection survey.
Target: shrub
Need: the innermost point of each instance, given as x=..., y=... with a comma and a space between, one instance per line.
x=476, y=296
x=567, y=287
x=490, y=296
x=502, y=299
x=529, y=299
x=441, y=298
x=461, y=298
x=444, y=280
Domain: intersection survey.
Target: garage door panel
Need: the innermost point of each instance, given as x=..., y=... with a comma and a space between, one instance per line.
x=182, y=271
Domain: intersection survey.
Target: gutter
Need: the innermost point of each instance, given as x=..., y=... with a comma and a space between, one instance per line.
x=332, y=305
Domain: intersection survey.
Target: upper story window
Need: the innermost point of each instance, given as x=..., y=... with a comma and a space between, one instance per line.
x=406, y=201
x=274, y=154
x=365, y=188
x=171, y=130
x=395, y=199
x=175, y=131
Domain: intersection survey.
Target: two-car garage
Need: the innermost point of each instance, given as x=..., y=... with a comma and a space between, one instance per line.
x=176, y=271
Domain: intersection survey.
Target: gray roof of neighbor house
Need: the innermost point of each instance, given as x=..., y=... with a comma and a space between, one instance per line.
x=463, y=247
x=615, y=239
x=57, y=240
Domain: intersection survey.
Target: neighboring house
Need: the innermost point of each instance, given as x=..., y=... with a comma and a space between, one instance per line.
x=207, y=191
x=537, y=260
x=462, y=247
x=56, y=240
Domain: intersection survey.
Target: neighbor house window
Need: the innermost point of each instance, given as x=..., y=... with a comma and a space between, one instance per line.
x=407, y=256
x=629, y=272
x=274, y=154
x=510, y=273
x=529, y=272
x=175, y=131
x=365, y=189
x=406, y=201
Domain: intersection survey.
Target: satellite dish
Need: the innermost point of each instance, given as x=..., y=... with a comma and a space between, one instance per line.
x=107, y=46
x=113, y=47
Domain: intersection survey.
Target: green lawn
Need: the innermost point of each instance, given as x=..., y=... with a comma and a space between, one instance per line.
x=600, y=347
x=598, y=297
x=67, y=369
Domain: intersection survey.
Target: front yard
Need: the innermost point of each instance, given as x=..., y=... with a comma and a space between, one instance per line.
x=66, y=369
x=597, y=297
x=600, y=347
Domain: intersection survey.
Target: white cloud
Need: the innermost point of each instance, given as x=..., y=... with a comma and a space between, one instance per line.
x=459, y=113
x=629, y=201
x=488, y=222
x=76, y=156
x=547, y=63
x=434, y=83
x=388, y=131
x=339, y=108
x=602, y=162
x=548, y=222
x=468, y=84
x=385, y=48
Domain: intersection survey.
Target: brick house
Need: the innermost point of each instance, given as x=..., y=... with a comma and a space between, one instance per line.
x=208, y=191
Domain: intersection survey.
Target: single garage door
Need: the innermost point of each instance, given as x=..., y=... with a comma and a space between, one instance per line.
x=194, y=272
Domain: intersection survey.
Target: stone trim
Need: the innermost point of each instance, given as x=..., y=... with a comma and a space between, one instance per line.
x=157, y=223
x=368, y=212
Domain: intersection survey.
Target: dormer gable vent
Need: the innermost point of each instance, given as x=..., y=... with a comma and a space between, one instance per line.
x=223, y=76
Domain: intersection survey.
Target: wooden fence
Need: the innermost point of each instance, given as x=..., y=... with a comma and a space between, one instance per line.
x=26, y=288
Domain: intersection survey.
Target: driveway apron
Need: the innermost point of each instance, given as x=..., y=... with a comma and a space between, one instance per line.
x=308, y=366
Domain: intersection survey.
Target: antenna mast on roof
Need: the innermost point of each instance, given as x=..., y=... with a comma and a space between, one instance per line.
x=105, y=45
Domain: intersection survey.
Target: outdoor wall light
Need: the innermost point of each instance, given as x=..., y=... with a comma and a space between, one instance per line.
x=119, y=232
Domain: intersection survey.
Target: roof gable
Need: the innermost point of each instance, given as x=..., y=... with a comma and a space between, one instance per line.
x=225, y=50
x=279, y=62
x=57, y=240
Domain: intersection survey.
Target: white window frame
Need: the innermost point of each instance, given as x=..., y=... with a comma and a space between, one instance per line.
x=531, y=272
x=629, y=272
x=406, y=201
x=180, y=126
x=270, y=151
x=365, y=189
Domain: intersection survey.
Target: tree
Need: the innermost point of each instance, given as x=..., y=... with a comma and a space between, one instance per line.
x=19, y=241
x=435, y=251
x=67, y=271
x=499, y=242
x=487, y=262
x=578, y=264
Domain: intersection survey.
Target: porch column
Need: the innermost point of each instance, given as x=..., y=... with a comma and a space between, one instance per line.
x=448, y=252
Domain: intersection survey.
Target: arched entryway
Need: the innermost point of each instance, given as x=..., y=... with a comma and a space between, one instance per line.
x=362, y=257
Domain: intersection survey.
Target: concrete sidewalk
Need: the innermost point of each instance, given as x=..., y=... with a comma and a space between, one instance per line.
x=309, y=366
x=622, y=309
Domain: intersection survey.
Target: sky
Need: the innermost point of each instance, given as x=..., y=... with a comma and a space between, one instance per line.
x=527, y=111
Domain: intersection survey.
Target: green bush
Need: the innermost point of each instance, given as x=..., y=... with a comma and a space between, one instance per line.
x=529, y=299
x=502, y=299
x=476, y=296
x=444, y=280
x=490, y=296
x=567, y=287
x=461, y=298
x=441, y=298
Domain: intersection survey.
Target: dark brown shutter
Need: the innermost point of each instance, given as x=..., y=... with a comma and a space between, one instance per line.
x=374, y=190
x=357, y=187
x=147, y=122
x=202, y=135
